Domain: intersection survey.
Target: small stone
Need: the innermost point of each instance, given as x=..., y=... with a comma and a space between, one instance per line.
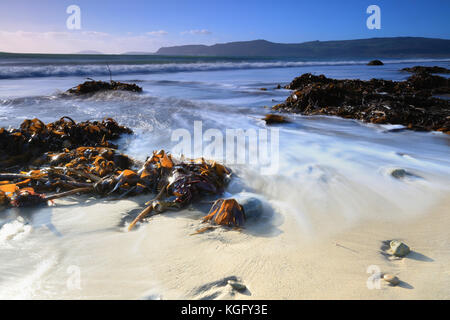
x=274, y=118
x=375, y=63
x=402, y=173
x=393, y=280
x=399, y=173
x=399, y=249
x=236, y=285
x=253, y=207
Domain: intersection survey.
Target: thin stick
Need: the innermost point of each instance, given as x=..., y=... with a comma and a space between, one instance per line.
x=141, y=216
x=110, y=74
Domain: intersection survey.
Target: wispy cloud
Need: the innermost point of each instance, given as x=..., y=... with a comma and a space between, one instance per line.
x=157, y=33
x=70, y=42
x=202, y=31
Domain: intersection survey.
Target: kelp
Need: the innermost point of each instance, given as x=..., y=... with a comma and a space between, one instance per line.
x=183, y=182
x=101, y=170
x=34, y=138
x=226, y=212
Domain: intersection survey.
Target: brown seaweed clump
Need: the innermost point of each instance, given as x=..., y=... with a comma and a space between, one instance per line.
x=93, y=86
x=88, y=164
x=34, y=138
x=226, y=212
x=410, y=103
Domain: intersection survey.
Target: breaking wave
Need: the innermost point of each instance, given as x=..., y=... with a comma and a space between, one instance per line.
x=61, y=70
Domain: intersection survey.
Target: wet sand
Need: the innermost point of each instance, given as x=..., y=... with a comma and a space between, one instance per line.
x=271, y=257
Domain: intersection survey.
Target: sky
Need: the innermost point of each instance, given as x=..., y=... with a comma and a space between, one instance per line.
x=110, y=26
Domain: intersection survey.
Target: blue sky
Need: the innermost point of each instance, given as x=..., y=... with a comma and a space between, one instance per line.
x=145, y=25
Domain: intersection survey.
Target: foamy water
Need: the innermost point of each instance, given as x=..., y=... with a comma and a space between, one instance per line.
x=332, y=172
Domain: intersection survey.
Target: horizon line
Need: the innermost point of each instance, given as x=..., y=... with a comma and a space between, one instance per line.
x=219, y=43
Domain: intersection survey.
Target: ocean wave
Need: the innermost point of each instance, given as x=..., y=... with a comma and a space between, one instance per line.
x=52, y=70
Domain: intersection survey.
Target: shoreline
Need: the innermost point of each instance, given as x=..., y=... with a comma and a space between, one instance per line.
x=275, y=258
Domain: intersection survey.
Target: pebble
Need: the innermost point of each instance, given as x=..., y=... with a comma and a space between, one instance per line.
x=253, y=207
x=399, y=249
x=393, y=280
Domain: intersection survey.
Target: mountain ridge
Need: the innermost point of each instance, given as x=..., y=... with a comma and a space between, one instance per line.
x=393, y=47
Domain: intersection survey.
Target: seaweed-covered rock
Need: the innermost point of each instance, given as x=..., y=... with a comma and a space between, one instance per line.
x=410, y=103
x=274, y=118
x=375, y=63
x=93, y=86
x=306, y=79
x=422, y=69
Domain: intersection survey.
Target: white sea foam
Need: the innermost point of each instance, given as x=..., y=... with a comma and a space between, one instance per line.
x=14, y=230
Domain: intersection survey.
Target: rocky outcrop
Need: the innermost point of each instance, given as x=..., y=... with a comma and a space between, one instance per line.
x=97, y=86
x=410, y=103
x=421, y=69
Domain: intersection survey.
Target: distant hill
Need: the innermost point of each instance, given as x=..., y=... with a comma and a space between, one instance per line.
x=399, y=47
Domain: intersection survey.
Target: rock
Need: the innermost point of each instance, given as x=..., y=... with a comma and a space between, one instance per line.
x=410, y=103
x=236, y=285
x=263, y=89
x=253, y=207
x=398, y=248
x=393, y=280
x=274, y=118
x=401, y=173
x=422, y=69
x=93, y=86
x=375, y=63
x=306, y=79
x=279, y=86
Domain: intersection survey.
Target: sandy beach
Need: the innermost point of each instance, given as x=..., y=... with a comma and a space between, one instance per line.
x=292, y=266
x=271, y=257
